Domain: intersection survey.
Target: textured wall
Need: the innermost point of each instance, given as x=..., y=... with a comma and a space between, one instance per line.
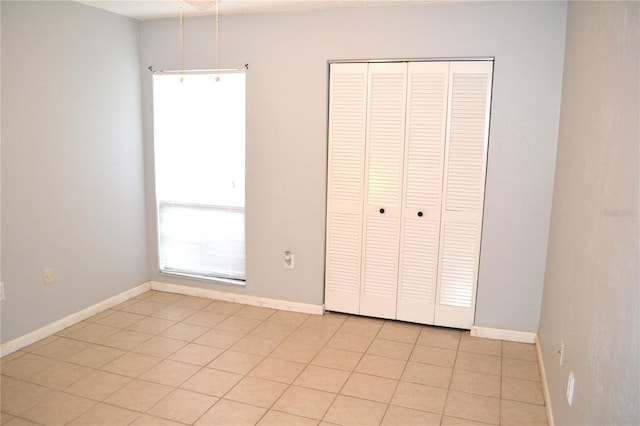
x=591, y=289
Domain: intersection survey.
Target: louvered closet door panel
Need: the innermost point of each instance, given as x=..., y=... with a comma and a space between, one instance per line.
x=464, y=179
x=345, y=186
x=384, y=160
x=421, y=202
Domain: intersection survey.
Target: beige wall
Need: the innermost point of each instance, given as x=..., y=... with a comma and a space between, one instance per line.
x=591, y=291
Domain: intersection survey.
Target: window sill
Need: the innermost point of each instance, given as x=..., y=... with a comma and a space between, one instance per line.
x=211, y=280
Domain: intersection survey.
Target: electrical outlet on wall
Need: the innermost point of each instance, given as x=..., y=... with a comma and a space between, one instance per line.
x=288, y=259
x=47, y=275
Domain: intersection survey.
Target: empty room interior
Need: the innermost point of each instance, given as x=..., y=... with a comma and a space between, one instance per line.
x=414, y=212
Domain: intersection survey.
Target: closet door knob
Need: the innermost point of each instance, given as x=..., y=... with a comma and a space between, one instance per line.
x=419, y=214
x=381, y=211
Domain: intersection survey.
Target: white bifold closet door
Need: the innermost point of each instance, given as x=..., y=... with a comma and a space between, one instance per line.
x=345, y=185
x=407, y=160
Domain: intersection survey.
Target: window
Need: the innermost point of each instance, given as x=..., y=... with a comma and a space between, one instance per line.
x=199, y=138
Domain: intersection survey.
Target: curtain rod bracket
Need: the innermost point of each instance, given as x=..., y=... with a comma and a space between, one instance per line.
x=150, y=68
x=246, y=66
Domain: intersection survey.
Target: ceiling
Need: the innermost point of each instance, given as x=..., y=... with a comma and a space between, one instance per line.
x=155, y=9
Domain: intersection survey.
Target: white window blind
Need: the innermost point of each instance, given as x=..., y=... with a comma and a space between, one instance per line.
x=199, y=138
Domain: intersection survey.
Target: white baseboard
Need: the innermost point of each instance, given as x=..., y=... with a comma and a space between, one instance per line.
x=52, y=328
x=545, y=384
x=503, y=334
x=306, y=308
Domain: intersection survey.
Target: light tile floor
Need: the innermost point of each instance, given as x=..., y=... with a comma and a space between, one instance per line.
x=168, y=359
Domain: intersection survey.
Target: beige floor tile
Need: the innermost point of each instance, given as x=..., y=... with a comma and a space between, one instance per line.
x=400, y=416
x=15, y=355
x=330, y=321
x=27, y=365
x=227, y=308
x=435, y=356
x=476, y=383
x=174, y=313
x=96, y=356
x=125, y=339
x=92, y=333
x=439, y=337
x=5, y=419
x=212, y=382
x=231, y=413
x=304, y=402
x=119, y=319
x=399, y=332
x=373, y=388
x=322, y=378
x=98, y=385
x=252, y=312
x=354, y=411
x=184, y=332
x=151, y=325
x=426, y=374
x=131, y=364
x=72, y=328
x=273, y=330
x=312, y=335
x=520, y=369
x=522, y=390
x=205, y=318
x=219, y=339
x=238, y=325
x=148, y=420
x=480, y=345
x=523, y=351
x=170, y=373
x=473, y=407
x=183, y=406
x=126, y=303
x=518, y=413
x=61, y=348
x=100, y=315
x=478, y=363
x=287, y=317
x=39, y=344
x=256, y=345
x=390, y=349
x=236, y=362
x=296, y=351
x=193, y=302
x=361, y=326
x=159, y=346
x=143, y=307
x=105, y=415
x=420, y=397
x=337, y=358
x=278, y=370
x=276, y=418
x=18, y=396
x=138, y=395
x=196, y=354
x=164, y=298
x=255, y=391
x=61, y=375
x=454, y=421
x=381, y=366
x=57, y=409
x=349, y=342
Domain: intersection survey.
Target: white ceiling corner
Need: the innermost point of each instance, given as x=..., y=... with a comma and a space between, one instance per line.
x=157, y=9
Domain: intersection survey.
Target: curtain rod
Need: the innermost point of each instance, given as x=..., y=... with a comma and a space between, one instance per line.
x=203, y=71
